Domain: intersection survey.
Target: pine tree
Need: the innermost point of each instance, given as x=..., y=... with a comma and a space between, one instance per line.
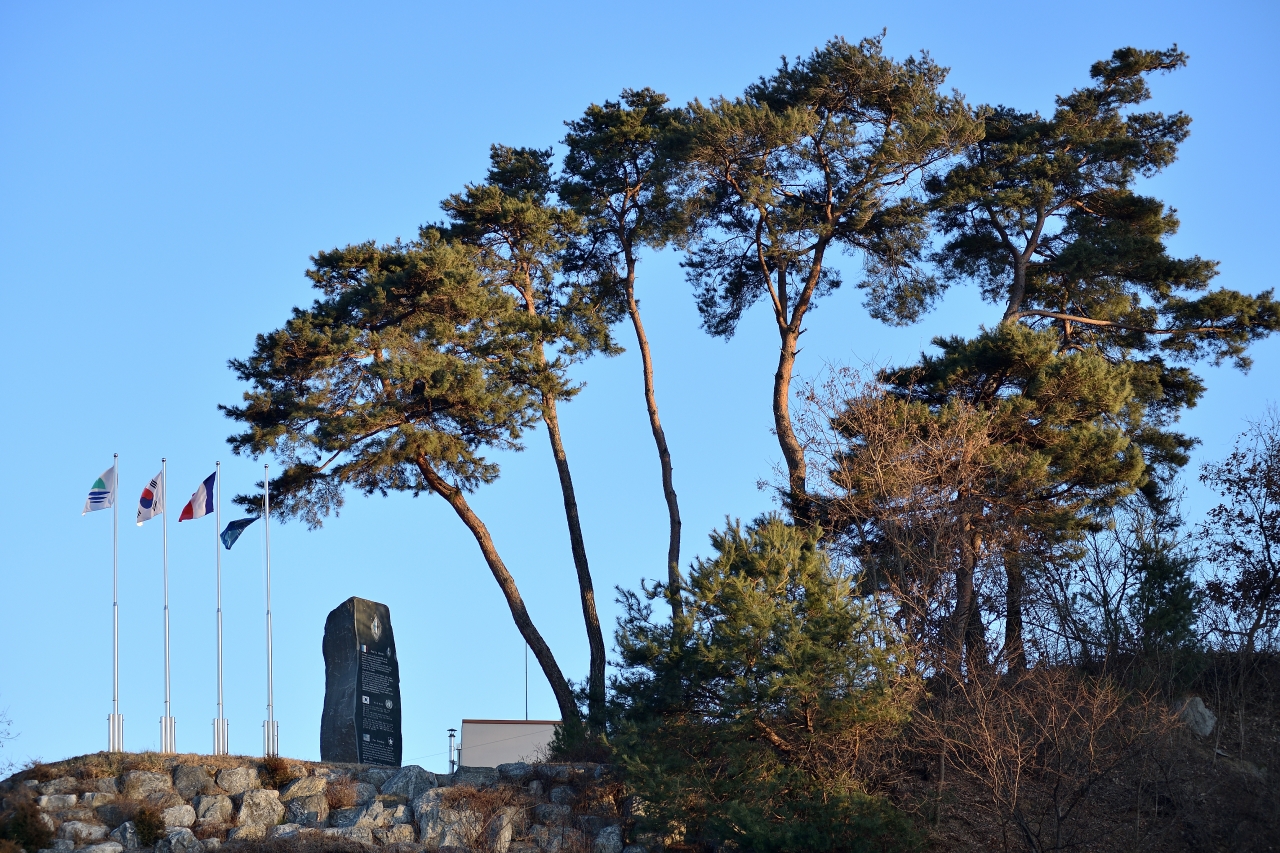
x=406, y=369
x=818, y=158
x=618, y=175
x=742, y=719
x=518, y=234
x=1041, y=213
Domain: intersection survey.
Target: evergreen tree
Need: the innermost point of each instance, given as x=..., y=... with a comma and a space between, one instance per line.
x=1043, y=216
x=518, y=234
x=1058, y=449
x=618, y=176
x=399, y=377
x=817, y=158
x=742, y=720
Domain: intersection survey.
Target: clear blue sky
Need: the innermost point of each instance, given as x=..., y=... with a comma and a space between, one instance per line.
x=166, y=172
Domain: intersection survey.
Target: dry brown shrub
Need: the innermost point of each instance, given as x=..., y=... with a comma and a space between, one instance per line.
x=340, y=793
x=276, y=772
x=1031, y=748
x=489, y=803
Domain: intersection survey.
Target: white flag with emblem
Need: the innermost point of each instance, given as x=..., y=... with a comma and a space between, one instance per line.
x=102, y=494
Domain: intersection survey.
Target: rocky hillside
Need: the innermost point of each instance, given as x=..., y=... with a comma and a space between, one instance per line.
x=109, y=803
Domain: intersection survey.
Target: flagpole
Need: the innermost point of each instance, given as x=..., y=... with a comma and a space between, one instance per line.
x=220, y=744
x=167, y=728
x=115, y=735
x=270, y=732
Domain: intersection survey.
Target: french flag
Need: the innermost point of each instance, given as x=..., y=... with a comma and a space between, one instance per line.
x=201, y=502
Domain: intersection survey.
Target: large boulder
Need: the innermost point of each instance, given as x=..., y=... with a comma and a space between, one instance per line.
x=563, y=795
x=176, y=816
x=501, y=827
x=454, y=828
x=126, y=835
x=260, y=808
x=476, y=777
x=112, y=814
x=82, y=833
x=56, y=802
x=252, y=832
x=142, y=784
x=552, y=813
x=103, y=847
x=373, y=815
x=93, y=799
x=516, y=771
x=180, y=840
x=62, y=785
x=213, y=808
x=609, y=840
x=400, y=833
x=1193, y=714
x=553, y=839
x=106, y=785
x=365, y=793
x=307, y=786
x=312, y=811
x=409, y=783
x=237, y=780
x=284, y=830
x=361, y=834
x=189, y=780
x=377, y=776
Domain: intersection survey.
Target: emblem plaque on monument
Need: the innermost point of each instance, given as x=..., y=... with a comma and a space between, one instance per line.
x=360, y=722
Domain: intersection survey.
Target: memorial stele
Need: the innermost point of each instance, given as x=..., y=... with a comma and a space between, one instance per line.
x=360, y=723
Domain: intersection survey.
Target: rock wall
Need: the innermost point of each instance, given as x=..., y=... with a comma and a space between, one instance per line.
x=193, y=804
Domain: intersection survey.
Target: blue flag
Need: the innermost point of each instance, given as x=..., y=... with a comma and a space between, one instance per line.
x=234, y=529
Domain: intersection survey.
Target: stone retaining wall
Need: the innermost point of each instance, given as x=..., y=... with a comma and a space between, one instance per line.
x=205, y=802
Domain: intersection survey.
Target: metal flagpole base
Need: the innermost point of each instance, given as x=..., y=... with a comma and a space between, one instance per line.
x=270, y=738
x=115, y=732
x=168, y=734
x=221, y=736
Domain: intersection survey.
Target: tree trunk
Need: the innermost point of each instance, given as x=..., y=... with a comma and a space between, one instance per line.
x=792, y=452
x=664, y=454
x=964, y=602
x=595, y=639
x=1014, y=651
x=541, y=652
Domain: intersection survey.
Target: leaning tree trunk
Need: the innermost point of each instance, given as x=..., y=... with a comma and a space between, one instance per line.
x=674, y=581
x=541, y=651
x=595, y=639
x=792, y=451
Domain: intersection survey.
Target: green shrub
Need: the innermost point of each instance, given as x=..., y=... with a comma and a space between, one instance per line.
x=744, y=721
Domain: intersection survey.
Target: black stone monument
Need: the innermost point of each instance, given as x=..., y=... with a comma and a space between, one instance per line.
x=360, y=723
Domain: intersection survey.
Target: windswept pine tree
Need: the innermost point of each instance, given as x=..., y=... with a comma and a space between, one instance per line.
x=518, y=234
x=619, y=173
x=819, y=158
x=408, y=368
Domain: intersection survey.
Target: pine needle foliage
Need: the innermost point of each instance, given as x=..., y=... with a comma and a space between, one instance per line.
x=743, y=719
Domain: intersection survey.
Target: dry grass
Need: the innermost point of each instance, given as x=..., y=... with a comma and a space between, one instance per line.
x=340, y=793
